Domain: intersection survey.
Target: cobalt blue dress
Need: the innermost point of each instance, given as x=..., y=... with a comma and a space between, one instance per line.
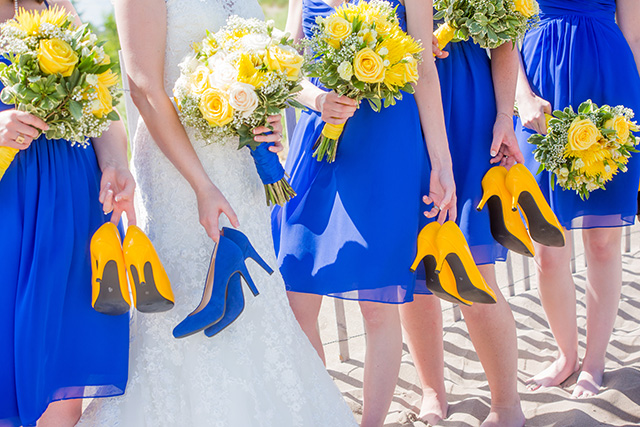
x=576, y=53
x=351, y=231
x=53, y=344
x=469, y=105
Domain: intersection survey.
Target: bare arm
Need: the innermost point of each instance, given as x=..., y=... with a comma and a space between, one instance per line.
x=531, y=108
x=628, y=16
x=142, y=31
x=504, y=72
x=429, y=101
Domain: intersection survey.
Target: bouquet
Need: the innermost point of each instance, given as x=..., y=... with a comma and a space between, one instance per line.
x=361, y=52
x=58, y=73
x=489, y=22
x=584, y=151
x=236, y=78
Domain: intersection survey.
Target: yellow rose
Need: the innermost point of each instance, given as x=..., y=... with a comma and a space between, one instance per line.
x=200, y=80
x=215, y=107
x=56, y=56
x=383, y=26
x=286, y=59
x=526, y=7
x=621, y=126
x=583, y=134
x=336, y=29
x=103, y=104
x=368, y=66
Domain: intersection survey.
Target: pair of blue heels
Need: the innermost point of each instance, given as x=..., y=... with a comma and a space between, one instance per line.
x=223, y=300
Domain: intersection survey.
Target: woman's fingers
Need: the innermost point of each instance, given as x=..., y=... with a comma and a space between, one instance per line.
x=31, y=120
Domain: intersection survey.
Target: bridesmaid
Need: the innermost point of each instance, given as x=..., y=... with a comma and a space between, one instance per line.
x=351, y=231
x=579, y=52
x=54, y=348
x=478, y=96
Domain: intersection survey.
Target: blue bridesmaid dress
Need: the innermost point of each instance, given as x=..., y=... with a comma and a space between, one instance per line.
x=576, y=53
x=53, y=344
x=351, y=230
x=469, y=105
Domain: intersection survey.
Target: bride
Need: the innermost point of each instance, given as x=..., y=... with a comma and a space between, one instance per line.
x=261, y=370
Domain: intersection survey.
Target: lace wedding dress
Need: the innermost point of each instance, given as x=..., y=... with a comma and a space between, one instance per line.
x=261, y=370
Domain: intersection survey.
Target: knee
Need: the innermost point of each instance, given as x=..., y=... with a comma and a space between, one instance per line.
x=552, y=260
x=379, y=315
x=602, y=244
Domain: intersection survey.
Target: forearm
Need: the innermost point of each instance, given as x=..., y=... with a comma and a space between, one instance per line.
x=429, y=102
x=523, y=89
x=309, y=95
x=504, y=73
x=111, y=147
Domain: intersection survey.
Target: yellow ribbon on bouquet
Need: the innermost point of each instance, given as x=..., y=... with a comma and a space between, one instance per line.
x=444, y=34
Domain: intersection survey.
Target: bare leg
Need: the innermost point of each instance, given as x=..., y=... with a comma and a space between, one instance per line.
x=604, y=274
x=558, y=295
x=382, y=360
x=422, y=322
x=493, y=332
x=63, y=413
x=306, y=308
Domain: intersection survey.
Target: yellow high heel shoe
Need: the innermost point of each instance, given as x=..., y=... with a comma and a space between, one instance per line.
x=442, y=285
x=454, y=250
x=506, y=225
x=542, y=223
x=110, y=290
x=150, y=285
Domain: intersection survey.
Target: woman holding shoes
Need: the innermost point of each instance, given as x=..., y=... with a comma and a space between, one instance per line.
x=351, y=230
x=478, y=94
x=55, y=349
x=581, y=50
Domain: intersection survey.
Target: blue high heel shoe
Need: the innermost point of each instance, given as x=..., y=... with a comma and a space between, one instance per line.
x=246, y=247
x=227, y=261
x=234, y=307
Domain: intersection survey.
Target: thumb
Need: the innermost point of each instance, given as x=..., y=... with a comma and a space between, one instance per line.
x=546, y=107
x=495, y=146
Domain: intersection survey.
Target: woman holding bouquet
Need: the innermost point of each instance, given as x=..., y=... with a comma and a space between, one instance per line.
x=581, y=50
x=54, y=348
x=351, y=230
x=478, y=94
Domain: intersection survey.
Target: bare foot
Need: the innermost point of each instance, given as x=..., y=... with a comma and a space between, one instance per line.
x=588, y=384
x=433, y=408
x=554, y=375
x=505, y=416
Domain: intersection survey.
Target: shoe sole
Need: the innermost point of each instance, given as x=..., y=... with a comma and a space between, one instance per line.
x=541, y=230
x=433, y=282
x=464, y=284
x=499, y=229
x=110, y=300
x=148, y=298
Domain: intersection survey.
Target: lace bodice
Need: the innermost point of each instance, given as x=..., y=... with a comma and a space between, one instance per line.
x=259, y=371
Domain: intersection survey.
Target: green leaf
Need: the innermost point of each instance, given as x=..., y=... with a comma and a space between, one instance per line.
x=113, y=116
x=76, y=109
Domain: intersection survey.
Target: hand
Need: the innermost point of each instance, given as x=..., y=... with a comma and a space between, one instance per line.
x=435, y=49
x=18, y=129
x=211, y=204
x=504, y=148
x=271, y=133
x=335, y=109
x=442, y=193
x=532, y=109
x=116, y=193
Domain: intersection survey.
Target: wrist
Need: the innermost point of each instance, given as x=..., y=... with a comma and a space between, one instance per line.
x=503, y=114
x=319, y=101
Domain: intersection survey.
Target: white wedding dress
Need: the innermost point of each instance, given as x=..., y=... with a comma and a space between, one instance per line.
x=261, y=370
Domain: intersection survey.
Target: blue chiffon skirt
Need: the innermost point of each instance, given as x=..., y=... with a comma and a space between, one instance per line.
x=351, y=230
x=53, y=345
x=577, y=53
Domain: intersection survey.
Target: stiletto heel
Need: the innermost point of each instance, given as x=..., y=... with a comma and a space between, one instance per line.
x=543, y=224
x=227, y=261
x=506, y=225
x=246, y=247
x=442, y=285
x=150, y=284
x=110, y=291
x=247, y=278
x=454, y=250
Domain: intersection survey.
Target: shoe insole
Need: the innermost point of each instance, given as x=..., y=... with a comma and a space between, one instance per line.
x=148, y=298
x=433, y=281
x=464, y=284
x=110, y=300
x=499, y=229
x=541, y=230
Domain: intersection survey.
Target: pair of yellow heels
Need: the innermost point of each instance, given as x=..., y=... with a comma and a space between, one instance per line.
x=506, y=191
x=451, y=272
x=150, y=286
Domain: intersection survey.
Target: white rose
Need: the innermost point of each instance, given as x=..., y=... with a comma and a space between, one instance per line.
x=345, y=69
x=243, y=98
x=223, y=75
x=255, y=41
